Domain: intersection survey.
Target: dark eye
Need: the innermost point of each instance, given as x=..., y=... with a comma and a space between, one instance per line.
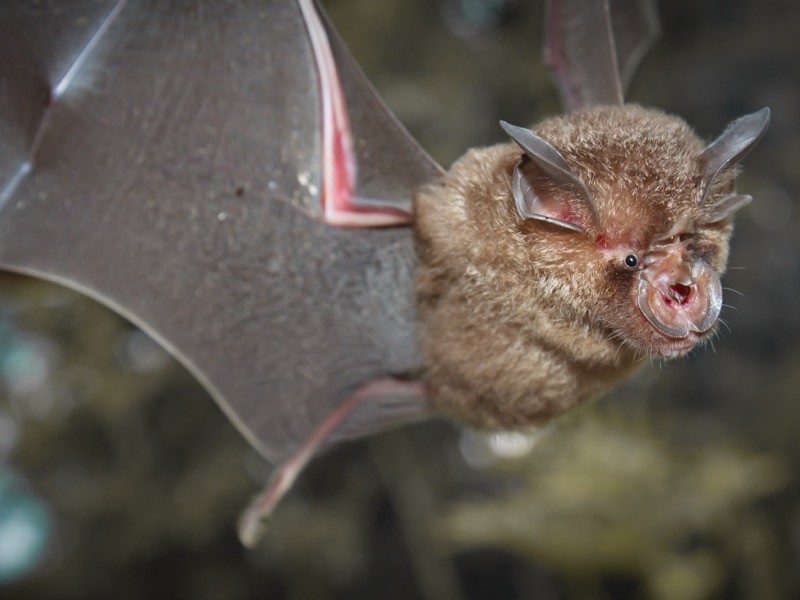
x=631, y=261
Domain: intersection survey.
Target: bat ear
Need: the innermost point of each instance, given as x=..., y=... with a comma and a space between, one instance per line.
x=533, y=203
x=727, y=206
x=731, y=147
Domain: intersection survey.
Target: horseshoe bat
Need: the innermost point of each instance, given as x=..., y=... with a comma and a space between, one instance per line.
x=225, y=177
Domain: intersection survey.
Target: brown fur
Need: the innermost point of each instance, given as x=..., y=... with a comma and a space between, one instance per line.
x=524, y=320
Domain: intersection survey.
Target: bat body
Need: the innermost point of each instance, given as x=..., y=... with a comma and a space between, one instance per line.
x=247, y=201
x=530, y=308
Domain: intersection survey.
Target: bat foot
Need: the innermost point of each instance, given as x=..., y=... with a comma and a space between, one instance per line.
x=253, y=523
x=252, y=529
x=254, y=520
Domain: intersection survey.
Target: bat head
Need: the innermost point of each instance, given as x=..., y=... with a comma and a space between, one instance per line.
x=642, y=211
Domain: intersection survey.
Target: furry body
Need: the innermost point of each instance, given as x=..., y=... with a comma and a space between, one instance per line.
x=523, y=320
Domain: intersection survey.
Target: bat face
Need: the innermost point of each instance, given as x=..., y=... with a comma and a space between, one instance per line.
x=548, y=275
x=651, y=226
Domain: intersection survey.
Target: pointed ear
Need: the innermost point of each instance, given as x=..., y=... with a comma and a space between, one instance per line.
x=727, y=206
x=732, y=146
x=540, y=158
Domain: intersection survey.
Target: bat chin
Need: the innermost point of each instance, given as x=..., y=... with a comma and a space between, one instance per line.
x=677, y=348
x=651, y=341
x=670, y=347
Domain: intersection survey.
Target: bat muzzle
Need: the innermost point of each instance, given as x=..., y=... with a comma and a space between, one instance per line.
x=679, y=296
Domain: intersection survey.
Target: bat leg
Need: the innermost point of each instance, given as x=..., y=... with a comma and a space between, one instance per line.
x=376, y=405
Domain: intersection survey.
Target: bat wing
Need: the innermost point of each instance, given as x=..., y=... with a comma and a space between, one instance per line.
x=164, y=158
x=593, y=47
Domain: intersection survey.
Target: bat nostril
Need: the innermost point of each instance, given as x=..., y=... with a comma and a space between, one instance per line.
x=679, y=293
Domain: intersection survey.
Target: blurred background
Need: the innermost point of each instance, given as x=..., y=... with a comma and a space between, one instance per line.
x=119, y=476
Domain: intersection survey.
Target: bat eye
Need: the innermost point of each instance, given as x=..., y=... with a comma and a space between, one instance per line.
x=631, y=261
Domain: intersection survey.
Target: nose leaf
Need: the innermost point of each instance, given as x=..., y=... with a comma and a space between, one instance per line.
x=710, y=296
x=659, y=313
x=680, y=292
x=677, y=297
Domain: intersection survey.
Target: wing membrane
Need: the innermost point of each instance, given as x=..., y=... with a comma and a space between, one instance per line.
x=593, y=47
x=163, y=180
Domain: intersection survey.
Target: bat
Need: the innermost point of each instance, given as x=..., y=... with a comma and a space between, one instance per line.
x=252, y=204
